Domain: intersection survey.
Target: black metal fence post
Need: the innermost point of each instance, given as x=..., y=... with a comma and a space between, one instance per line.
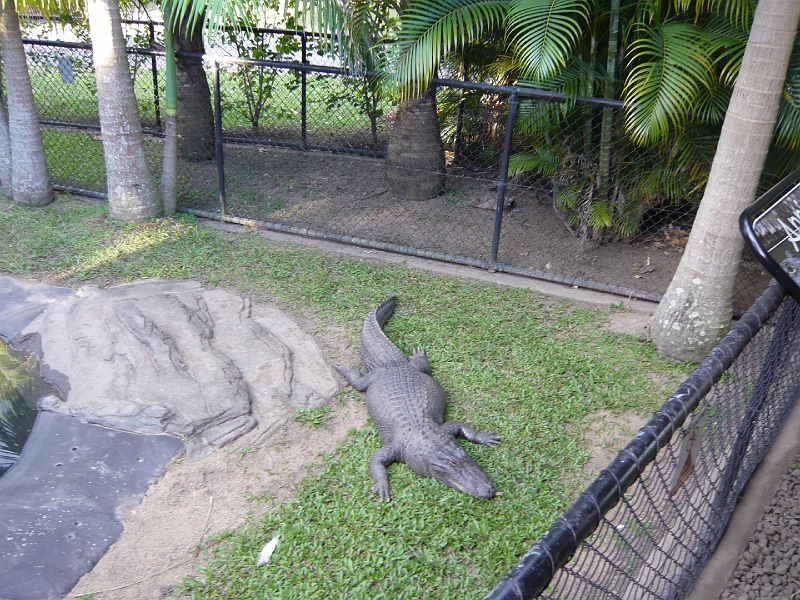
x=513, y=104
x=303, y=91
x=154, y=67
x=218, y=139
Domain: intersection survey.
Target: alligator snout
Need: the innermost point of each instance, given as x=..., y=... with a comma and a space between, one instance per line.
x=455, y=468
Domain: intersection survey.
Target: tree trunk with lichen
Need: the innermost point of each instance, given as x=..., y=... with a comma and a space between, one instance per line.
x=697, y=307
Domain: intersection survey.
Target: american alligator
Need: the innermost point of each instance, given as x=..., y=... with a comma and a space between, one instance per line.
x=407, y=405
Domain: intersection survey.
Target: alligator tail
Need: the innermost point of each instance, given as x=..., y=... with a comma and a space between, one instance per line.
x=377, y=350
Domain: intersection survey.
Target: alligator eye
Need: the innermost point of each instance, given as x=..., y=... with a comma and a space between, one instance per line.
x=452, y=462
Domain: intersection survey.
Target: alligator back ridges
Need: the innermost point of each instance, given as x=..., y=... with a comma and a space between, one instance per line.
x=377, y=350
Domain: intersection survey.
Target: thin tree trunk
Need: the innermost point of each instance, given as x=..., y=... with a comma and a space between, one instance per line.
x=169, y=173
x=30, y=177
x=609, y=90
x=132, y=194
x=696, y=310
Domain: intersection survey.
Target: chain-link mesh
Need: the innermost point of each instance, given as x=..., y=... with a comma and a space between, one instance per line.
x=308, y=148
x=661, y=507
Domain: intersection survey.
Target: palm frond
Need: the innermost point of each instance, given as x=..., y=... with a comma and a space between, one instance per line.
x=542, y=160
x=431, y=29
x=712, y=104
x=670, y=63
x=51, y=8
x=787, y=129
x=691, y=155
x=213, y=14
x=736, y=12
x=599, y=216
x=730, y=41
x=544, y=33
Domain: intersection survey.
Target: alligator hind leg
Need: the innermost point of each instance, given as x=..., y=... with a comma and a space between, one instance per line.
x=355, y=378
x=455, y=428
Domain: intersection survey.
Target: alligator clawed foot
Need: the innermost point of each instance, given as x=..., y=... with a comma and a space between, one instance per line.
x=383, y=491
x=488, y=438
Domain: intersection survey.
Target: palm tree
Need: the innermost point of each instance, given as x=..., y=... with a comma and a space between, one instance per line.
x=674, y=64
x=415, y=153
x=132, y=194
x=30, y=179
x=696, y=310
x=431, y=31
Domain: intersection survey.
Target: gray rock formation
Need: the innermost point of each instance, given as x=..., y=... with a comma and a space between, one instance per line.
x=151, y=357
x=171, y=357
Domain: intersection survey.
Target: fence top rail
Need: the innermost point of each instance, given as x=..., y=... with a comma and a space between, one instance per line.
x=505, y=90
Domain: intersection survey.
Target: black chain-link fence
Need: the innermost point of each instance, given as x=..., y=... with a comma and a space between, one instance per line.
x=651, y=520
x=308, y=147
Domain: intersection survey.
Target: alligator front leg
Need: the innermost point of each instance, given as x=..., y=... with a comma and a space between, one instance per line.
x=356, y=379
x=456, y=428
x=377, y=468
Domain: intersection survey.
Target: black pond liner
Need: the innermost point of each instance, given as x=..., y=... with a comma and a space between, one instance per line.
x=62, y=485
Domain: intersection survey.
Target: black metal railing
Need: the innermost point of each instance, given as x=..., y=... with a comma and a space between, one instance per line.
x=649, y=523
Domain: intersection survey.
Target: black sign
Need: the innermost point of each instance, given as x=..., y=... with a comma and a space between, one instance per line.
x=771, y=227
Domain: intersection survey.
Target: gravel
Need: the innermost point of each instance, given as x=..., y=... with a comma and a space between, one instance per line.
x=770, y=566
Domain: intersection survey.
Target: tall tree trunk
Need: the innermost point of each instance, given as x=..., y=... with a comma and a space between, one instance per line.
x=132, y=194
x=169, y=172
x=415, y=153
x=5, y=155
x=696, y=310
x=195, y=115
x=30, y=177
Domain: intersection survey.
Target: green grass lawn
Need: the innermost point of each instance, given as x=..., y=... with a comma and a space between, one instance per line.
x=512, y=361
x=330, y=109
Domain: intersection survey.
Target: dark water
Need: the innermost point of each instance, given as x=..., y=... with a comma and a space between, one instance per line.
x=20, y=388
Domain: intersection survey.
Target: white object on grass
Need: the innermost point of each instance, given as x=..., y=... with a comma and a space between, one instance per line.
x=266, y=553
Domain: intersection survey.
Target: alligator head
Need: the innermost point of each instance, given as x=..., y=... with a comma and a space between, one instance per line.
x=451, y=465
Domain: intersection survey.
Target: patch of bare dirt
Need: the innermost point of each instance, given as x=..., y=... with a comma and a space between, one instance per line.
x=348, y=195
x=630, y=322
x=607, y=434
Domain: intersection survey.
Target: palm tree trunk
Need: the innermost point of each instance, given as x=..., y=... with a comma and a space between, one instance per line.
x=415, y=153
x=132, y=194
x=696, y=310
x=195, y=117
x=5, y=155
x=30, y=177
